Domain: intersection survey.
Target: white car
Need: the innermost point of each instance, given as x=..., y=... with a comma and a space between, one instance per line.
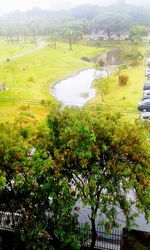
x=148, y=62
x=145, y=116
x=147, y=72
x=146, y=94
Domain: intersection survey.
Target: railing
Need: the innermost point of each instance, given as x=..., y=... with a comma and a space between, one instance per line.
x=8, y=221
x=104, y=240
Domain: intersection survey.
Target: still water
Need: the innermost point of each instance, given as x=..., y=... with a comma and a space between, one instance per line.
x=76, y=90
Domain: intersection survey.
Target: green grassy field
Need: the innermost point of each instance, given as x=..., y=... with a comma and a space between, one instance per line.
x=7, y=50
x=29, y=78
x=123, y=99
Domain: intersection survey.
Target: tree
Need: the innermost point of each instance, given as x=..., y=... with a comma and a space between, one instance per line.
x=78, y=28
x=68, y=33
x=102, y=84
x=137, y=32
x=96, y=159
x=38, y=198
x=104, y=160
x=54, y=38
x=112, y=23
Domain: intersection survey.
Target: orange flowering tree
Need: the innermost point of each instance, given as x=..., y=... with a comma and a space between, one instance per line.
x=105, y=160
x=96, y=159
x=36, y=197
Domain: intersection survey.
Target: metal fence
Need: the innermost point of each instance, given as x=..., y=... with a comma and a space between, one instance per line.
x=104, y=240
x=9, y=220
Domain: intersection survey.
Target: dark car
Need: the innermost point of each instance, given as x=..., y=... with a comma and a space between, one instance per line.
x=147, y=85
x=144, y=105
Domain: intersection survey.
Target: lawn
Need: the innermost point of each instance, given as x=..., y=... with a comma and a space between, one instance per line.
x=7, y=50
x=123, y=99
x=29, y=78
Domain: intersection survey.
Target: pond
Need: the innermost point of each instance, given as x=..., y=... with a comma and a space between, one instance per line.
x=76, y=90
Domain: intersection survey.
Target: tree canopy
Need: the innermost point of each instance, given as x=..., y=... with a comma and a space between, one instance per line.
x=96, y=159
x=137, y=33
x=112, y=22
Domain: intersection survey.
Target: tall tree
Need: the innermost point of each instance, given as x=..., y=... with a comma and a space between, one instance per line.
x=68, y=33
x=137, y=32
x=104, y=160
x=111, y=22
x=38, y=198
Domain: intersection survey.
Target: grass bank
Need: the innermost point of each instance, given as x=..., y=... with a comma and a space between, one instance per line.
x=123, y=99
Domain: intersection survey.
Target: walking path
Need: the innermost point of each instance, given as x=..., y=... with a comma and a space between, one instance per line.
x=40, y=46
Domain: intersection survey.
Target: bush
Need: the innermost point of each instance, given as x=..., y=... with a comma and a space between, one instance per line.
x=31, y=79
x=100, y=62
x=123, y=79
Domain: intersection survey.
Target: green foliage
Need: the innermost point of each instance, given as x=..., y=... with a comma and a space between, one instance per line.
x=102, y=85
x=95, y=159
x=135, y=56
x=112, y=22
x=31, y=185
x=137, y=32
x=99, y=153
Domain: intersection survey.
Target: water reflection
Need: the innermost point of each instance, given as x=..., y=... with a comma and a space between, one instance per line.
x=114, y=57
x=77, y=90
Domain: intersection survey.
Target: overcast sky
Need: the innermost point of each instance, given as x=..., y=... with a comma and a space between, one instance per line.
x=11, y=5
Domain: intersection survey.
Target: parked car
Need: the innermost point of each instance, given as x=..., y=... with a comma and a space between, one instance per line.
x=147, y=72
x=146, y=94
x=148, y=76
x=148, y=62
x=144, y=105
x=147, y=85
x=145, y=116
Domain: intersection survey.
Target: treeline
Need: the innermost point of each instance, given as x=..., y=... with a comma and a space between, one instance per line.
x=86, y=19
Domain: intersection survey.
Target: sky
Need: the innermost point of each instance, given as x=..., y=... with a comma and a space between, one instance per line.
x=11, y=5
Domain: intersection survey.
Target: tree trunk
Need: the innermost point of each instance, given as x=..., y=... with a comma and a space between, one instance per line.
x=55, y=47
x=94, y=234
x=7, y=39
x=55, y=241
x=102, y=97
x=34, y=37
x=11, y=39
x=70, y=41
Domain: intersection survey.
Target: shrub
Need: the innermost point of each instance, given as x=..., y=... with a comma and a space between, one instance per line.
x=25, y=107
x=100, y=62
x=123, y=79
x=31, y=79
x=42, y=102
